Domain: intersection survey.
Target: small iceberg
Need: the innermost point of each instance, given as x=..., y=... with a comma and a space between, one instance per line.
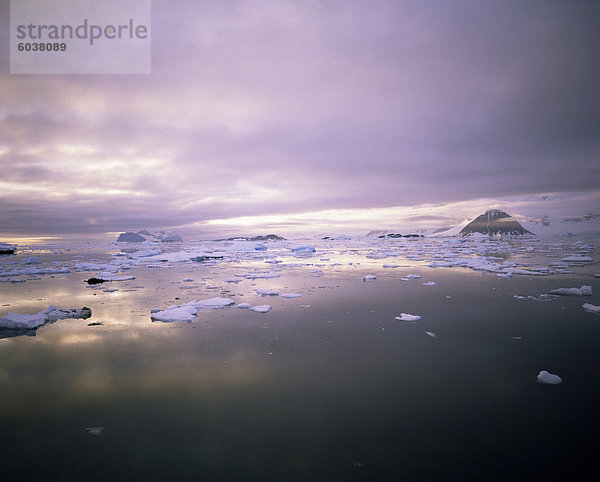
x=98, y=431
x=244, y=305
x=429, y=283
x=407, y=317
x=267, y=292
x=369, y=277
x=187, y=312
x=591, y=308
x=548, y=378
x=19, y=321
x=261, y=308
x=583, y=291
x=305, y=249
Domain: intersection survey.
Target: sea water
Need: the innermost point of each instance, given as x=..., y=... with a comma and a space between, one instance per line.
x=325, y=386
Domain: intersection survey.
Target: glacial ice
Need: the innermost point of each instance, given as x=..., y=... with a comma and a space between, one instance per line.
x=18, y=321
x=583, y=291
x=407, y=317
x=548, y=378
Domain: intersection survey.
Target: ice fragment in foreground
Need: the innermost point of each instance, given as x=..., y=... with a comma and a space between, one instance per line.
x=304, y=249
x=407, y=317
x=99, y=431
x=583, y=291
x=18, y=321
x=429, y=283
x=431, y=334
x=244, y=305
x=591, y=308
x=291, y=295
x=369, y=277
x=549, y=378
x=261, y=308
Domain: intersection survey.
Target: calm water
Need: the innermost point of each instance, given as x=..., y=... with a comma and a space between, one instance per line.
x=335, y=391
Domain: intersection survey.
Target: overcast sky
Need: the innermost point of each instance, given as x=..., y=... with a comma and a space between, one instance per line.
x=318, y=114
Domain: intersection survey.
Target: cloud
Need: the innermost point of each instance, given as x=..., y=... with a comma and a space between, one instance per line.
x=267, y=107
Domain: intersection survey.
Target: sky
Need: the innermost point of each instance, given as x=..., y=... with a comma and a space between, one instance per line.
x=322, y=116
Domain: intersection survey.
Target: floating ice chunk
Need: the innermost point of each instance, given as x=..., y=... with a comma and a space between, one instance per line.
x=507, y=275
x=260, y=247
x=187, y=280
x=577, y=258
x=175, y=313
x=233, y=280
x=244, y=305
x=597, y=275
x=291, y=295
x=429, y=283
x=431, y=334
x=591, y=308
x=98, y=431
x=408, y=277
x=305, y=249
x=304, y=306
x=549, y=378
x=583, y=291
x=261, y=308
x=30, y=260
x=110, y=290
x=369, y=277
x=146, y=253
x=390, y=265
x=216, y=302
x=19, y=321
x=267, y=292
x=407, y=317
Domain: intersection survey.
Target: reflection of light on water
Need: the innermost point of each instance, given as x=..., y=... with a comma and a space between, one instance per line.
x=78, y=338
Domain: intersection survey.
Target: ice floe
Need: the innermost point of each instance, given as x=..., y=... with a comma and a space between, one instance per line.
x=583, y=291
x=429, y=283
x=304, y=249
x=591, y=308
x=548, y=378
x=188, y=311
x=18, y=321
x=407, y=317
x=291, y=295
x=369, y=277
x=267, y=292
x=261, y=308
x=431, y=334
x=244, y=305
